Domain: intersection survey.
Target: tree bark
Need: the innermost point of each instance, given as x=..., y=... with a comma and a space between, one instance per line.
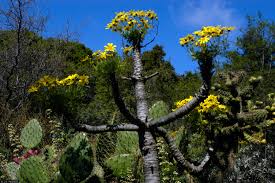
x=106, y=128
x=146, y=139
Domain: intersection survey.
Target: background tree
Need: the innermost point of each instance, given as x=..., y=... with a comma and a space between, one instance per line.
x=17, y=52
x=255, y=47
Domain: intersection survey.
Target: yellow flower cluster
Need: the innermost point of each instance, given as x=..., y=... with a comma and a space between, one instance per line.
x=256, y=138
x=187, y=39
x=86, y=59
x=109, y=51
x=132, y=20
x=48, y=81
x=203, y=36
x=211, y=103
x=182, y=102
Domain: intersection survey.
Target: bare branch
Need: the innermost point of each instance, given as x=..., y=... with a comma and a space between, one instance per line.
x=106, y=128
x=152, y=40
x=184, y=109
x=132, y=78
x=150, y=76
x=120, y=103
x=127, y=78
x=179, y=156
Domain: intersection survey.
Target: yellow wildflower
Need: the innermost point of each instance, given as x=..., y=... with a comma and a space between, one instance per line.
x=110, y=47
x=181, y=103
x=128, y=49
x=211, y=103
x=202, y=41
x=132, y=20
x=86, y=58
x=33, y=88
x=103, y=55
x=83, y=80
x=203, y=36
x=185, y=40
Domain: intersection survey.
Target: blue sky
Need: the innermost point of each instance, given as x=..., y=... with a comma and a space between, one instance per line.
x=177, y=18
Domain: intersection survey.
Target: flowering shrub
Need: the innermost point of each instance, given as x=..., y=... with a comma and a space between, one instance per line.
x=49, y=81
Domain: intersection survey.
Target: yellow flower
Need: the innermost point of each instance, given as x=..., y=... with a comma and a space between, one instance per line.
x=201, y=37
x=86, y=58
x=83, y=80
x=103, y=55
x=125, y=21
x=185, y=40
x=211, y=103
x=181, y=103
x=202, y=41
x=127, y=28
x=110, y=47
x=128, y=49
x=33, y=88
x=198, y=33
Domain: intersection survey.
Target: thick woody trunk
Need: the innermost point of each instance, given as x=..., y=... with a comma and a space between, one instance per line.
x=146, y=139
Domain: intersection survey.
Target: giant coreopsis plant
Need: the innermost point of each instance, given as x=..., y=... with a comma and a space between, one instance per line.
x=133, y=27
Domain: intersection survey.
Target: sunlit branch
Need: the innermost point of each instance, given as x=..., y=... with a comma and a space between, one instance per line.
x=150, y=76
x=107, y=128
x=179, y=113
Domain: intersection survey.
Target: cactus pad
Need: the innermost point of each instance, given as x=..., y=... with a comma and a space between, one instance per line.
x=33, y=170
x=31, y=134
x=76, y=162
x=12, y=169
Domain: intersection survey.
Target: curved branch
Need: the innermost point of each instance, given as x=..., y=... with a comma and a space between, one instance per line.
x=179, y=156
x=202, y=94
x=106, y=128
x=120, y=103
x=152, y=40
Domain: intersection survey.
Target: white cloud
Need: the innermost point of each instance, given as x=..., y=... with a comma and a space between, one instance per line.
x=196, y=13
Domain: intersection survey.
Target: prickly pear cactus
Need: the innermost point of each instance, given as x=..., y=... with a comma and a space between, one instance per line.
x=12, y=169
x=76, y=163
x=33, y=170
x=158, y=110
x=31, y=134
x=126, y=155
